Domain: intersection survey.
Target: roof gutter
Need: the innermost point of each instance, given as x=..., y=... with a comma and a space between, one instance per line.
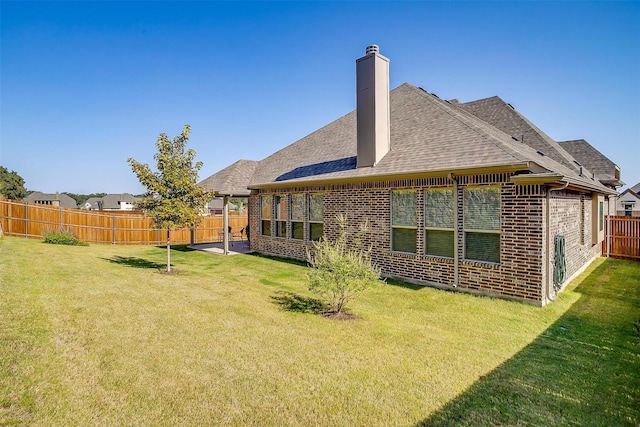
x=391, y=176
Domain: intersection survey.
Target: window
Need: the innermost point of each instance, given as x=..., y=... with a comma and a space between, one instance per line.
x=628, y=209
x=297, y=216
x=265, y=215
x=316, y=212
x=439, y=222
x=403, y=221
x=482, y=223
x=600, y=216
x=280, y=216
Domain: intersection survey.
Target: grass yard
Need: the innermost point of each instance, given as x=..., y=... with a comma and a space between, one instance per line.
x=97, y=336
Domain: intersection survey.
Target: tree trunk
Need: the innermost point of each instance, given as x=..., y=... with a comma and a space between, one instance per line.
x=168, y=250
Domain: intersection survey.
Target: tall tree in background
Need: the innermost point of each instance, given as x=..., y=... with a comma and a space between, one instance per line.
x=11, y=185
x=174, y=199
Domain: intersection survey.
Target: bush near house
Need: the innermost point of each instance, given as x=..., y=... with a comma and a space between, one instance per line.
x=341, y=269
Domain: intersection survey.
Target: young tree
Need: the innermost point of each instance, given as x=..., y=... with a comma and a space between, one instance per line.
x=341, y=269
x=174, y=199
x=11, y=185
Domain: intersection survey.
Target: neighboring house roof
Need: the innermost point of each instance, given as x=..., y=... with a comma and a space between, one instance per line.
x=92, y=203
x=636, y=188
x=114, y=201
x=63, y=200
x=232, y=180
x=604, y=169
x=629, y=195
x=429, y=136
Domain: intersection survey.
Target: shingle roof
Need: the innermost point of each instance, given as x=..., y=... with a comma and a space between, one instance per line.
x=64, y=200
x=628, y=195
x=232, y=180
x=428, y=135
x=603, y=168
x=636, y=188
x=505, y=117
x=112, y=201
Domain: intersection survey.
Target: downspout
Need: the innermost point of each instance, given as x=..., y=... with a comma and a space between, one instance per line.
x=548, y=231
x=456, y=256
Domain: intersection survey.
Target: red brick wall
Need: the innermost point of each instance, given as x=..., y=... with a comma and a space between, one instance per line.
x=521, y=273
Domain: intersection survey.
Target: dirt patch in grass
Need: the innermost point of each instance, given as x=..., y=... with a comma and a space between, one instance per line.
x=343, y=315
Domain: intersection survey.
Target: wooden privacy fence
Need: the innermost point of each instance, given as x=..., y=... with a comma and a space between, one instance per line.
x=115, y=227
x=622, y=237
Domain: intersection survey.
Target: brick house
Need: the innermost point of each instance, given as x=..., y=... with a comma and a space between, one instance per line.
x=461, y=196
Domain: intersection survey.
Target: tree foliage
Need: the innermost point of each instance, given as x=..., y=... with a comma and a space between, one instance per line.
x=175, y=200
x=341, y=269
x=11, y=185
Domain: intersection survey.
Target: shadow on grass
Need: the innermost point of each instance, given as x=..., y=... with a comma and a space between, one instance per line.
x=405, y=285
x=290, y=301
x=136, y=262
x=583, y=370
x=177, y=248
x=279, y=259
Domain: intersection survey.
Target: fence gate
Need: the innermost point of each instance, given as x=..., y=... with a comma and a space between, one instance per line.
x=622, y=237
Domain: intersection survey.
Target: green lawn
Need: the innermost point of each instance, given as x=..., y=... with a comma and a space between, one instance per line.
x=98, y=336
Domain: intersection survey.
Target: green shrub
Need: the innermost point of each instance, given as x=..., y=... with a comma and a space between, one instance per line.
x=62, y=238
x=341, y=269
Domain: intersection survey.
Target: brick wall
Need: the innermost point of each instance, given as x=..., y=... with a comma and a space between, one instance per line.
x=521, y=273
x=572, y=216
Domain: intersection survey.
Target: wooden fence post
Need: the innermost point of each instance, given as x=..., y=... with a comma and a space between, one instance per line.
x=26, y=219
x=113, y=229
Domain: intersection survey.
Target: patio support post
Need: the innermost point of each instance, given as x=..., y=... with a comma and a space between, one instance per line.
x=225, y=224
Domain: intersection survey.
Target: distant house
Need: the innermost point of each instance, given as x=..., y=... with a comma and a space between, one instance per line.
x=216, y=205
x=629, y=202
x=92, y=204
x=57, y=199
x=111, y=202
x=469, y=196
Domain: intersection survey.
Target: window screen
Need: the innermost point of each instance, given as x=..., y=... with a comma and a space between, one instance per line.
x=316, y=212
x=482, y=223
x=439, y=222
x=265, y=215
x=403, y=221
x=280, y=216
x=297, y=216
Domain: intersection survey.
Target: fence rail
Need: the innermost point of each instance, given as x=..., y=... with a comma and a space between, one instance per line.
x=622, y=237
x=115, y=227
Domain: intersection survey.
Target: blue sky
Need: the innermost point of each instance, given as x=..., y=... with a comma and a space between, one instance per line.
x=85, y=85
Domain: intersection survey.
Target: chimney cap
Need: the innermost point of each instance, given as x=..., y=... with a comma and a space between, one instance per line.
x=373, y=48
